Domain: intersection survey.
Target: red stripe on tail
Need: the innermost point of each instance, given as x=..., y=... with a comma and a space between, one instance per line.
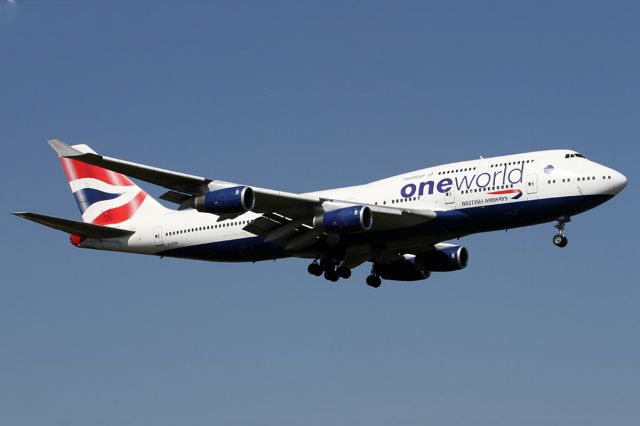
x=122, y=213
x=75, y=169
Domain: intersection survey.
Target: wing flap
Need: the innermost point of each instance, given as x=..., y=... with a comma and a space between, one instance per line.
x=386, y=218
x=286, y=203
x=262, y=226
x=75, y=227
x=175, y=197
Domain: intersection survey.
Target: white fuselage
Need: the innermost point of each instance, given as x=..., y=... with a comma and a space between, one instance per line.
x=487, y=189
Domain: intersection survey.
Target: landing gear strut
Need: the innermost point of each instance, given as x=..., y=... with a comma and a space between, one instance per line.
x=560, y=239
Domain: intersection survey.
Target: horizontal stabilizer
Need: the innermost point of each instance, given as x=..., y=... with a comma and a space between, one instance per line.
x=74, y=227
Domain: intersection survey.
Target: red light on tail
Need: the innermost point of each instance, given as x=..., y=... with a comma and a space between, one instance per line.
x=76, y=239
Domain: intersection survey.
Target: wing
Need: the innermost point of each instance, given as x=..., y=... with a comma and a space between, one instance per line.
x=184, y=186
x=287, y=217
x=179, y=182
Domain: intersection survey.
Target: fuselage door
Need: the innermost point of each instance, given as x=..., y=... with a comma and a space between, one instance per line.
x=532, y=185
x=157, y=236
x=449, y=197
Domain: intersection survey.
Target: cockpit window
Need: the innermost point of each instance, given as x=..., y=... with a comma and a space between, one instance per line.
x=574, y=155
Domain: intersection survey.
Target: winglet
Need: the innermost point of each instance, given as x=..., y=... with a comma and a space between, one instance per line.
x=63, y=149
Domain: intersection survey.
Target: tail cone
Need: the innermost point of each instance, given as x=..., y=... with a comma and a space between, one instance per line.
x=76, y=239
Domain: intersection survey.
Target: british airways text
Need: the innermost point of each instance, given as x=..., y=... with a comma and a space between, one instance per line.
x=505, y=176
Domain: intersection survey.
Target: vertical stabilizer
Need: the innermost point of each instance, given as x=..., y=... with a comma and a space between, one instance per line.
x=105, y=197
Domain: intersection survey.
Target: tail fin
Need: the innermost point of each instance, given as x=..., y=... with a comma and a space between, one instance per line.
x=105, y=197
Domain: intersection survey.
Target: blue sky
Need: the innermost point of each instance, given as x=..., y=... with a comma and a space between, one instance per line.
x=302, y=96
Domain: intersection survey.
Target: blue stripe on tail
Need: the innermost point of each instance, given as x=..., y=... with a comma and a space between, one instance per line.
x=88, y=196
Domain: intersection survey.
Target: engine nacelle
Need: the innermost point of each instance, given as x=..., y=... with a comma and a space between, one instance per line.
x=402, y=270
x=346, y=219
x=237, y=199
x=444, y=258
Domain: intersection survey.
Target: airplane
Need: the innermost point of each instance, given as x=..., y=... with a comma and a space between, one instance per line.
x=399, y=224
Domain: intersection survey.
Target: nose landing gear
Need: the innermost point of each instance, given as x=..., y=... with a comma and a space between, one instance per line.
x=560, y=239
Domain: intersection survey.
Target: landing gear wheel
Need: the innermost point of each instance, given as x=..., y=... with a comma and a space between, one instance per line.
x=315, y=269
x=331, y=276
x=560, y=240
x=344, y=272
x=374, y=281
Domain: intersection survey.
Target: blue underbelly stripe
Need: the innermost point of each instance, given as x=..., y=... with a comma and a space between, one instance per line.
x=448, y=223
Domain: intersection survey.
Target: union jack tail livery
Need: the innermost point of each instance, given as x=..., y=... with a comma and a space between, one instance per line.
x=105, y=197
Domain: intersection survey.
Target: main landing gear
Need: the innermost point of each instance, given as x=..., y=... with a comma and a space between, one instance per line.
x=374, y=279
x=332, y=272
x=560, y=239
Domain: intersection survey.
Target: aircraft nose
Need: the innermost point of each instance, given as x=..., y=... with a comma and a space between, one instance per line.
x=618, y=182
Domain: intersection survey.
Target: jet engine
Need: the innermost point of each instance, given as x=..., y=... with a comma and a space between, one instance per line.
x=237, y=199
x=443, y=258
x=402, y=270
x=346, y=219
